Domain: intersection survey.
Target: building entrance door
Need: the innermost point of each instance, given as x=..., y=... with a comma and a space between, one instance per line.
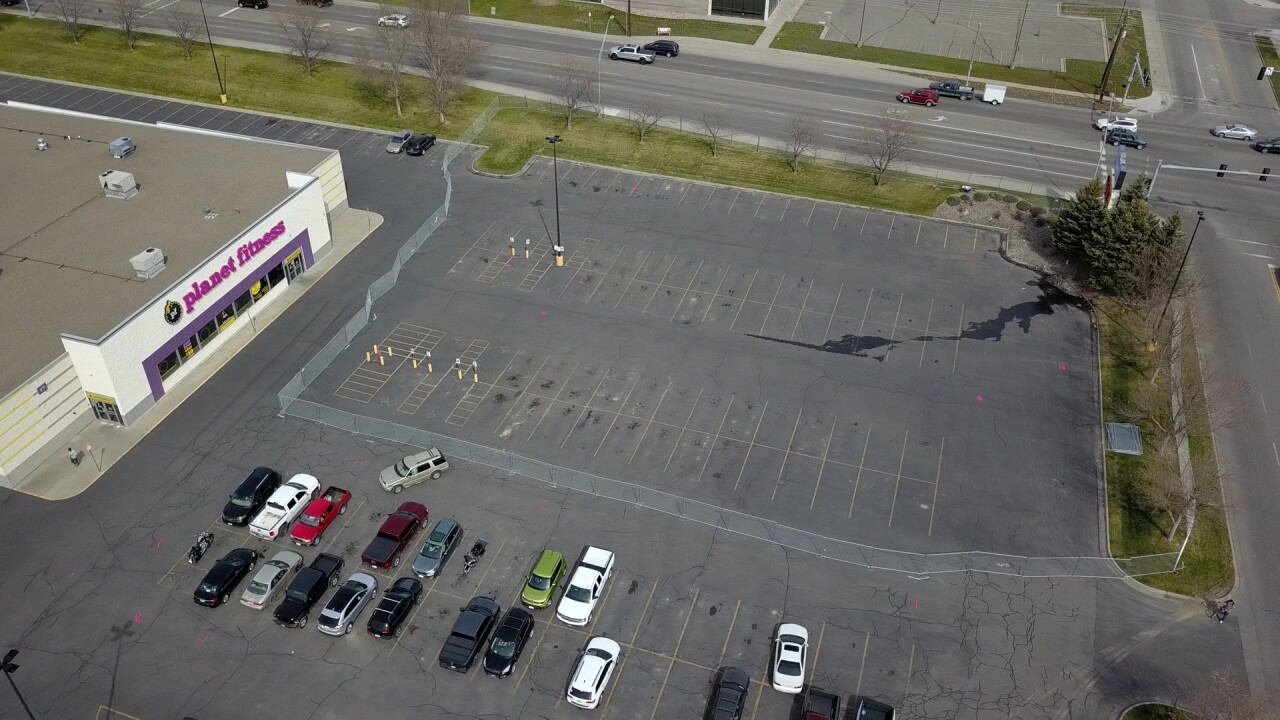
x=293, y=266
x=104, y=408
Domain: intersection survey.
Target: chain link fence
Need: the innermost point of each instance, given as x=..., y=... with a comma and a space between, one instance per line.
x=921, y=564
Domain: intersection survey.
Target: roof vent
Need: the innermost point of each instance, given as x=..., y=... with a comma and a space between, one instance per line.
x=148, y=263
x=118, y=184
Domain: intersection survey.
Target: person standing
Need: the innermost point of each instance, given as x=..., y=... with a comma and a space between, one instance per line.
x=75, y=457
x=1225, y=609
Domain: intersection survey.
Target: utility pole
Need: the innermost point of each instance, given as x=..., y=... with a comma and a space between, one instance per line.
x=973, y=51
x=1137, y=65
x=222, y=88
x=628, y=18
x=862, y=23
x=1017, y=39
x=1106, y=74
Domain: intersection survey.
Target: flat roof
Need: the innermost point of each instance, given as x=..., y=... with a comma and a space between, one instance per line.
x=65, y=247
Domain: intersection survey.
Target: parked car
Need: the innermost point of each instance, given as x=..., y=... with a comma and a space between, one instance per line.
x=317, y=3
x=396, y=532
x=1115, y=121
x=247, y=499
x=729, y=695
x=215, y=589
x=255, y=4
x=634, y=53
x=871, y=710
x=670, y=48
x=821, y=705
x=271, y=579
x=394, y=20
x=284, y=506
x=469, y=633
x=591, y=674
x=1235, y=132
x=419, y=144
x=1268, y=145
x=413, y=470
x=394, y=608
x=319, y=515
x=547, y=572
x=306, y=589
x=508, y=642
x=790, y=652
x=586, y=586
x=398, y=140
x=1120, y=136
x=339, y=616
x=440, y=544
x=919, y=96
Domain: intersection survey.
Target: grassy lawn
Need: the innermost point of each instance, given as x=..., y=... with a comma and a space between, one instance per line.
x=514, y=137
x=1156, y=711
x=1207, y=567
x=1267, y=49
x=1081, y=75
x=591, y=17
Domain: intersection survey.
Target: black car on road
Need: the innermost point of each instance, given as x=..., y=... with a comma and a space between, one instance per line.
x=508, y=642
x=396, y=604
x=418, y=144
x=306, y=589
x=729, y=696
x=1123, y=136
x=1267, y=145
x=255, y=4
x=224, y=576
x=670, y=48
x=249, y=498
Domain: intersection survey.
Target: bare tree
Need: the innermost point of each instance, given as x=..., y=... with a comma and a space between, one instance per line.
x=305, y=38
x=1221, y=696
x=716, y=126
x=185, y=27
x=886, y=142
x=383, y=70
x=126, y=14
x=71, y=14
x=802, y=135
x=645, y=117
x=575, y=85
x=447, y=49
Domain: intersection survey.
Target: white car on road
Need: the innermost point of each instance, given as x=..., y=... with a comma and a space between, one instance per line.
x=634, y=53
x=1235, y=132
x=591, y=675
x=273, y=577
x=1115, y=121
x=790, y=652
x=394, y=20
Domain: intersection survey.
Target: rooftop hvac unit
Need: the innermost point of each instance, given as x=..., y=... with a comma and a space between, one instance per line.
x=148, y=263
x=118, y=184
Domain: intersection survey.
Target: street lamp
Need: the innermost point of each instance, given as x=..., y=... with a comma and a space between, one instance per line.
x=600, y=70
x=1178, y=276
x=9, y=668
x=555, y=170
x=222, y=89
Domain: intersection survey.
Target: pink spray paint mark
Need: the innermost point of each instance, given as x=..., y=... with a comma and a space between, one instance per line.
x=543, y=313
x=980, y=398
x=137, y=618
x=357, y=463
x=542, y=507
x=1062, y=367
x=159, y=541
x=915, y=602
x=202, y=638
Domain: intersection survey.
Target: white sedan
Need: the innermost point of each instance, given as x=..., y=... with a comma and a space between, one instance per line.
x=591, y=676
x=1235, y=132
x=271, y=579
x=790, y=650
x=396, y=20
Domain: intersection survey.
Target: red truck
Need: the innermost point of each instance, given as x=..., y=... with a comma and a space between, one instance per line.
x=821, y=705
x=319, y=515
x=397, y=530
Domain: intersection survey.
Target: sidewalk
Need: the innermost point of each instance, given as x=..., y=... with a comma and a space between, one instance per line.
x=102, y=444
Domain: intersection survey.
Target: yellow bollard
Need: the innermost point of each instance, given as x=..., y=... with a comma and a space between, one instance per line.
x=513, y=247
x=428, y=367
x=368, y=357
x=391, y=351
x=475, y=378
x=559, y=261
x=375, y=349
x=459, y=373
x=382, y=360
x=414, y=360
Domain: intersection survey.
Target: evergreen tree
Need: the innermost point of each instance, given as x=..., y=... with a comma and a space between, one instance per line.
x=1130, y=229
x=1082, y=221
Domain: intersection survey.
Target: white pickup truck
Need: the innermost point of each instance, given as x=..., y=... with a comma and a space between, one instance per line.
x=585, y=586
x=284, y=506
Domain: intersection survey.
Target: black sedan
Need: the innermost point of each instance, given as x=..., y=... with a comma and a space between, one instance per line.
x=419, y=144
x=729, y=696
x=508, y=642
x=396, y=605
x=249, y=498
x=224, y=576
x=1121, y=136
x=1267, y=145
x=670, y=48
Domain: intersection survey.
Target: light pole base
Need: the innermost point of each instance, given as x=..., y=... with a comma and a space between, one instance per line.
x=223, y=98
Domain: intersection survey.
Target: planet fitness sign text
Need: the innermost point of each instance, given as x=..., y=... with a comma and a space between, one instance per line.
x=243, y=255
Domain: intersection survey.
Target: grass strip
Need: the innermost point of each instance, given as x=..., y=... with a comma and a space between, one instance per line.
x=1270, y=58
x=591, y=17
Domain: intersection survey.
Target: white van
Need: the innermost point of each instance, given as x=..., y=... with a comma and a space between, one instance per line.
x=994, y=94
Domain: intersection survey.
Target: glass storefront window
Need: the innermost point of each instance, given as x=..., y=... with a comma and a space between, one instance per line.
x=276, y=276
x=209, y=330
x=243, y=302
x=168, y=364
x=260, y=288
x=225, y=317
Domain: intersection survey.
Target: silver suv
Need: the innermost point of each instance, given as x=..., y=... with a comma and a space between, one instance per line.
x=413, y=470
x=339, y=616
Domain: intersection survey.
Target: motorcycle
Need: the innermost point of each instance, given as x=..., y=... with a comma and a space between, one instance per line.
x=202, y=544
x=473, y=556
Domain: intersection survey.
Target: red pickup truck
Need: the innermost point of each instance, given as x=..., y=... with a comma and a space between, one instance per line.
x=396, y=532
x=319, y=515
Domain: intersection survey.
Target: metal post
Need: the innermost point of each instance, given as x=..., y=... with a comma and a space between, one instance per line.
x=1106, y=74
x=628, y=18
x=1178, y=276
x=9, y=667
x=222, y=89
x=555, y=170
x=1151, y=186
x=1137, y=58
x=600, y=69
x=1017, y=40
x=863, y=22
x=972, y=51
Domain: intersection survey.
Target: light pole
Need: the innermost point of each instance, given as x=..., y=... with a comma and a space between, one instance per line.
x=1178, y=275
x=972, y=51
x=555, y=170
x=9, y=668
x=222, y=89
x=600, y=71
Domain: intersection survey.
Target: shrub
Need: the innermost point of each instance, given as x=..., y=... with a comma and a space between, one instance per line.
x=980, y=196
x=1023, y=205
x=1037, y=211
x=1017, y=214
x=953, y=200
x=995, y=215
x=1010, y=198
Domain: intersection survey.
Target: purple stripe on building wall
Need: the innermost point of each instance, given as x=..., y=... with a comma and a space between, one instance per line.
x=303, y=240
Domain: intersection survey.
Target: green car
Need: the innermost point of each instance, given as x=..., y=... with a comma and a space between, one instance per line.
x=542, y=581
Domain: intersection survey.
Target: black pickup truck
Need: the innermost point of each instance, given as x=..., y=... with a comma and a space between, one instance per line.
x=306, y=589
x=470, y=632
x=821, y=705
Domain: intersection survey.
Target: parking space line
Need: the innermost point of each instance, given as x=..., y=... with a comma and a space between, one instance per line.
x=585, y=407
x=649, y=423
x=811, y=211
x=946, y=232
x=861, y=328
x=772, y=303
x=605, y=276
x=803, y=304
x=716, y=294
x=537, y=645
x=680, y=437
x=817, y=648
x=661, y=283
x=836, y=224
x=685, y=294
x=617, y=415
x=711, y=447
x=745, y=295
x=724, y=649
x=834, y=307
x=937, y=480
x=861, y=464
x=864, y=223
x=687, y=186
x=756, y=215
x=593, y=174
x=632, y=279
x=892, y=220
x=893, y=504
x=866, y=644
x=893, y=329
x=735, y=202
x=756, y=706
x=975, y=242
x=630, y=646
x=959, y=331
x=919, y=228
x=785, y=208
x=751, y=446
x=822, y=468
x=522, y=392
x=927, y=321
x=787, y=454
x=911, y=664
x=674, y=653
x=554, y=400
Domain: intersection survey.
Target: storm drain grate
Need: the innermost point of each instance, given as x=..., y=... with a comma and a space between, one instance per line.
x=1124, y=438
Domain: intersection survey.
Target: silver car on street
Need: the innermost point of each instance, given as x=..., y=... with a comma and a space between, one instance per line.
x=398, y=140
x=1235, y=131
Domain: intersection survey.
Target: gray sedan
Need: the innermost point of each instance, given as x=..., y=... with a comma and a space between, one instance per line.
x=440, y=544
x=398, y=140
x=1235, y=132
